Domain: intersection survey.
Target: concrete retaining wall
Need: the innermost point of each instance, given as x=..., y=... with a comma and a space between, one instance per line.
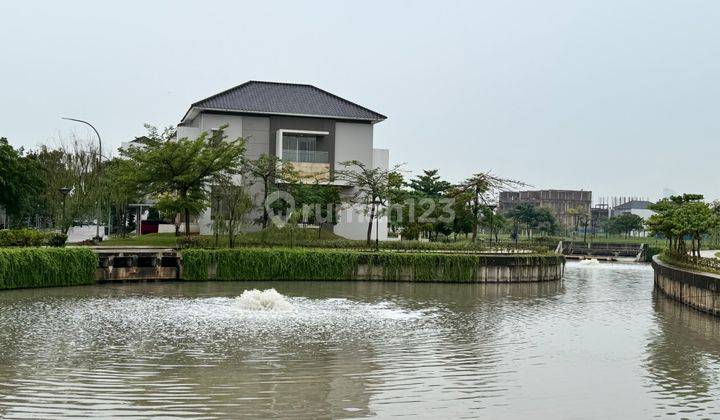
x=485, y=274
x=694, y=288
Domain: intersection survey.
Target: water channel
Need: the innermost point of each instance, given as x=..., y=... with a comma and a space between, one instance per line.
x=600, y=344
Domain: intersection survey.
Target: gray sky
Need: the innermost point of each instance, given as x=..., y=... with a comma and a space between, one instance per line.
x=618, y=97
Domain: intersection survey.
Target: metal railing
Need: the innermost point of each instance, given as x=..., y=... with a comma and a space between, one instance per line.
x=308, y=156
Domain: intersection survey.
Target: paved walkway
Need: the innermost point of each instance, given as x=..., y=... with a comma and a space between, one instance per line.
x=709, y=253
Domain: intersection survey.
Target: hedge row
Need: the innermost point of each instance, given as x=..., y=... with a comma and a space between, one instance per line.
x=30, y=237
x=42, y=267
x=316, y=264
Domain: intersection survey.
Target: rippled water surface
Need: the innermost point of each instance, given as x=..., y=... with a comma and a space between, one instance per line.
x=600, y=344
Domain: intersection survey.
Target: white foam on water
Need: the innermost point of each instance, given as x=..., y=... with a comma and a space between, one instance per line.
x=589, y=262
x=263, y=300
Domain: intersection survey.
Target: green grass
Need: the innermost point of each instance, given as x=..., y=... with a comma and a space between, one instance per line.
x=151, y=239
x=333, y=264
x=43, y=267
x=307, y=238
x=707, y=265
x=269, y=235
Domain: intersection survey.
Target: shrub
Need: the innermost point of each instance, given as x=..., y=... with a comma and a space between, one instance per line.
x=57, y=239
x=21, y=237
x=42, y=267
x=192, y=242
x=30, y=237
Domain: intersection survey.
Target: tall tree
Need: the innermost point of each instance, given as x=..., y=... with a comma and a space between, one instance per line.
x=429, y=184
x=20, y=179
x=493, y=222
x=269, y=170
x=680, y=216
x=372, y=187
x=183, y=169
x=122, y=190
x=481, y=189
x=235, y=205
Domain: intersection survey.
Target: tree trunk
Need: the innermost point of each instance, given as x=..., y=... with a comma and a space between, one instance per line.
x=264, y=207
x=231, y=234
x=187, y=222
x=369, y=229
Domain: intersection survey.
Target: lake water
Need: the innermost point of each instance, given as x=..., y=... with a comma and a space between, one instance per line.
x=600, y=344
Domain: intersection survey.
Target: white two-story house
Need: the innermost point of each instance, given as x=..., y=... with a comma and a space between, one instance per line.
x=302, y=124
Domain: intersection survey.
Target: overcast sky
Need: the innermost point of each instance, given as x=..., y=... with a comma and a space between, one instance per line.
x=617, y=97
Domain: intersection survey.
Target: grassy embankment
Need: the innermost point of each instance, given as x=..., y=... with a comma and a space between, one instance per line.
x=327, y=264
x=307, y=238
x=43, y=267
x=706, y=265
x=283, y=237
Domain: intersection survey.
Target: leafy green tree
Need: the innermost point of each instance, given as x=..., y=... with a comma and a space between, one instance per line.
x=372, y=188
x=680, y=216
x=429, y=184
x=427, y=194
x=480, y=190
x=523, y=215
x=319, y=204
x=531, y=217
x=626, y=223
x=235, y=205
x=545, y=222
x=181, y=170
x=122, y=189
x=269, y=170
x=464, y=219
x=74, y=166
x=20, y=180
x=493, y=222
x=398, y=199
x=696, y=219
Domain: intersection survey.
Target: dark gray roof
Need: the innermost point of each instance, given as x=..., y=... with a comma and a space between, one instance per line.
x=286, y=99
x=634, y=204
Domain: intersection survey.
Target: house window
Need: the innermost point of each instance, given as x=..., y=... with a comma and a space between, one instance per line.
x=298, y=148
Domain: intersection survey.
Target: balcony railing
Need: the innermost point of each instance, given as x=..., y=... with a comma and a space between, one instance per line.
x=309, y=156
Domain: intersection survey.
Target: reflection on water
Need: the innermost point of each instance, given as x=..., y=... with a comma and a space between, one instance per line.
x=684, y=359
x=596, y=345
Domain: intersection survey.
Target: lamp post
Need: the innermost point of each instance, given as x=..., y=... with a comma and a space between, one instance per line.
x=64, y=191
x=97, y=212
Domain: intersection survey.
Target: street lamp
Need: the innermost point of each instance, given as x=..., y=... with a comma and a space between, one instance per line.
x=97, y=215
x=64, y=191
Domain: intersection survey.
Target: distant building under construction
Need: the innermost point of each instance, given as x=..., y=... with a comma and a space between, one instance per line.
x=559, y=202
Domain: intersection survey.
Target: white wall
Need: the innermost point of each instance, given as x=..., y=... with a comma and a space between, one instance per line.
x=644, y=213
x=354, y=141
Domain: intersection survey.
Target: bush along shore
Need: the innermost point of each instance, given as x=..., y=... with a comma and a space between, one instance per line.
x=328, y=264
x=44, y=267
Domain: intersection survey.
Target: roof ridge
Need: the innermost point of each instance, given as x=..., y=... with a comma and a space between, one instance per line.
x=221, y=93
x=348, y=101
x=265, y=82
